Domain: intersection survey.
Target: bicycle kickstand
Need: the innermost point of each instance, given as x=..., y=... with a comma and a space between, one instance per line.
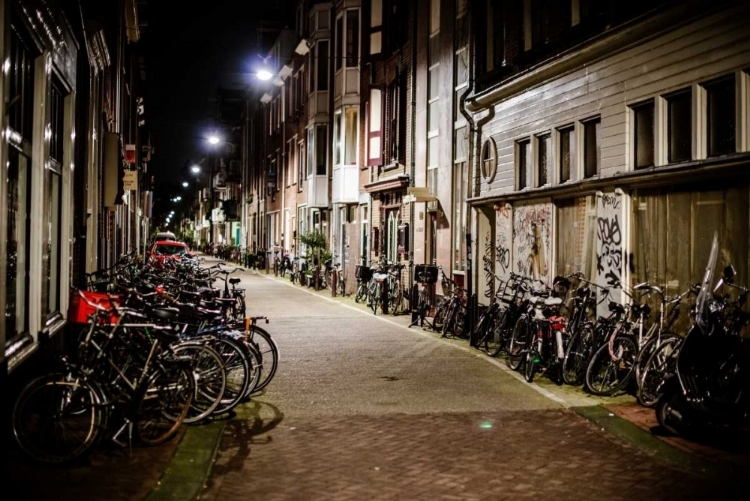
x=129, y=425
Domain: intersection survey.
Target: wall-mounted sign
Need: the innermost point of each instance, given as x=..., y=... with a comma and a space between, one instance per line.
x=130, y=153
x=130, y=180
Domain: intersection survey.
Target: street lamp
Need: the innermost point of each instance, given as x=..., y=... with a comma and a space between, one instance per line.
x=185, y=184
x=264, y=74
x=195, y=169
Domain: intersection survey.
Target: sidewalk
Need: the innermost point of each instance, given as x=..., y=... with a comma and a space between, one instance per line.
x=638, y=425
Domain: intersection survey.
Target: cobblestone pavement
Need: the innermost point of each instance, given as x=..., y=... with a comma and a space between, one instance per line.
x=361, y=408
x=107, y=474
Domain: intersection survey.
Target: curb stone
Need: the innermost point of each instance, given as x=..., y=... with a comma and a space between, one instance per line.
x=191, y=465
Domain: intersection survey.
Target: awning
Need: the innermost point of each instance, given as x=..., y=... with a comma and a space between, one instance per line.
x=419, y=194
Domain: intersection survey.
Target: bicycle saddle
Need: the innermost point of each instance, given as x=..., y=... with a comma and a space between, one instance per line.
x=379, y=277
x=234, y=281
x=164, y=313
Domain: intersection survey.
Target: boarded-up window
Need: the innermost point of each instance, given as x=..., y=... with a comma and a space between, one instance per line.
x=673, y=231
x=576, y=220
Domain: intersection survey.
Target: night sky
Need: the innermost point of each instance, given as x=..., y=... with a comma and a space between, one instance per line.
x=192, y=49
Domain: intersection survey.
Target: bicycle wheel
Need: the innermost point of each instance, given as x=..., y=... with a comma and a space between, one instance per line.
x=481, y=331
x=499, y=337
x=519, y=342
x=577, y=355
x=56, y=419
x=210, y=377
x=439, y=319
x=375, y=299
x=397, y=306
x=269, y=356
x=608, y=373
x=163, y=403
x=530, y=365
x=361, y=292
x=660, y=365
x=237, y=364
x=449, y=320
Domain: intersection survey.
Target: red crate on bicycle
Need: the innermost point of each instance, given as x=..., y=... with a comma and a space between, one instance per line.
x=79, y=310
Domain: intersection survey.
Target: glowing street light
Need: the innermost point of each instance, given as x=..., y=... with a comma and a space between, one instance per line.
x=195, y=169
x=185, y=184
x=264, y=75
x=214, y=139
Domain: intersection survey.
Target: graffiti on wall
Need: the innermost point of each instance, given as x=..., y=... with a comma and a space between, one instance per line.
x=487, y=265
x=503, y=240
x=532, y=239
x=609, y=244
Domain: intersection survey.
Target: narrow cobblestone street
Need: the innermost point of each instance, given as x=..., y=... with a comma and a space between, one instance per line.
x=363, y=408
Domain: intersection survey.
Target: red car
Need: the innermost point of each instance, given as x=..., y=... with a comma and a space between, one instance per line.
x=163, y=250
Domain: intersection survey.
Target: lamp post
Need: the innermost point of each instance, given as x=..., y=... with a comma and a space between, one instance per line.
x=213, y=140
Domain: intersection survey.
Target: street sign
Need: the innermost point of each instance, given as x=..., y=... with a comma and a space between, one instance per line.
x=130, y=180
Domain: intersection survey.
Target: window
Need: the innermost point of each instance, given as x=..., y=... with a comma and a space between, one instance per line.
x=549, y=18
x=721, y=116
x=290, y=172
x=18, y=208
x=397, y=119
x=567, y=152
x=591, y=147
x=300, y=164
x=460, y=194
x=351, y=136
x=494, y=47
x=679, y=127
x=489, y=160
x=396, y=23
x=643, y=133
x=310, y=150
x=322, y=53
x=375, y=127
x=523, y=156
x=391, y=250
x=337, y=138
x=52, y=198
x=376, y=27
x=352, y=38
x=321, y=150
x=21, y=81
x=461, y=142
x=365, y=241
x=339, y=42
x=544, y=160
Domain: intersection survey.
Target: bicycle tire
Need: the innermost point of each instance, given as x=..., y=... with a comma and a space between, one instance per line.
x=375, y=301
x=268, y=351
x=577, y=356
x=237, y=365
x=530, y=365
x=36, y=424
x=398, y=299
x=162, y=404
x=497, y=340
x=361, y=293
x=449, y=314
x=210, y=376
x=518, y=344
x=481, y=330
x=603, y=367
x=659, y=366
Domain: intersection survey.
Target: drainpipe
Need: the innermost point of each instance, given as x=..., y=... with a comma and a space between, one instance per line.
x=470, y=159
x=413, y=168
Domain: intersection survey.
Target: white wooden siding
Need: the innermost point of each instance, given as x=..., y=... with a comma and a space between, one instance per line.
x=709, y=47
